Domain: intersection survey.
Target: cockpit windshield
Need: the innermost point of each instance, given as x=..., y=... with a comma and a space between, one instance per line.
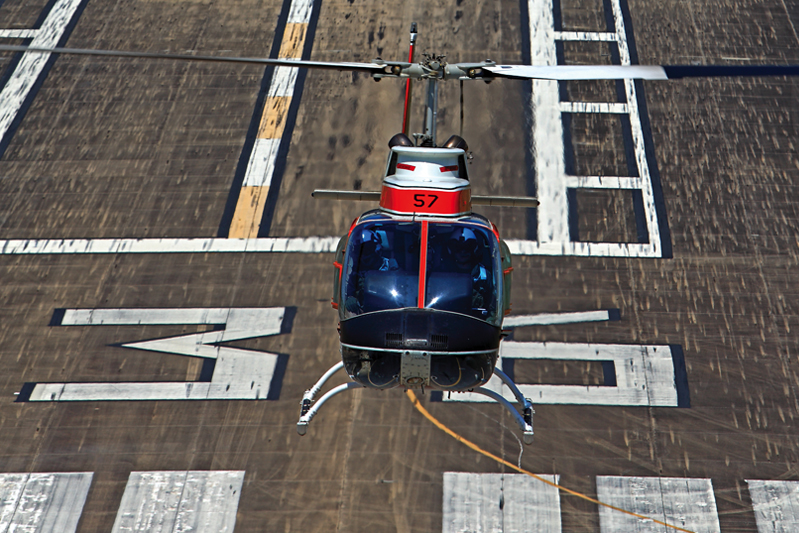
x=461, y=272
x=382, y=267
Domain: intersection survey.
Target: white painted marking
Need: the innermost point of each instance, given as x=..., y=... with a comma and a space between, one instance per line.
x=238, y=374
x=300, y=11
x=168, y=246
x=644, y=375
x=137, y=317
x=283, y=81
x=584, y=36
x=776, y=505
x=586, y=249
x=641, y=161
x=550, y=166
x=547, y=319
x=685, y=502
x=30, y=67
x=552, y=182
x=18, y=34
x=593, y=107
x=303, y=245
x=603, y=182
x=42, y=503
x=510, y=503
x=11, y=486
x=240, y=322
x=261, y=166
x=172, y=502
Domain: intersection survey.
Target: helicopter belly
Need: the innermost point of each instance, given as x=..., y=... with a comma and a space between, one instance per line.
x=415, y=348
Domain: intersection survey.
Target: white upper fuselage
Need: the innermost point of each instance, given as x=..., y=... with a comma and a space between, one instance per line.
x=426, y=181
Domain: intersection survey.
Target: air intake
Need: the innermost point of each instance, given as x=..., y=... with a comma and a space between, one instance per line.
x=439, y=342
x=394, y=340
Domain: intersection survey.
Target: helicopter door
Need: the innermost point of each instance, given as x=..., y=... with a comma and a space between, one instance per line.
x=337, y=273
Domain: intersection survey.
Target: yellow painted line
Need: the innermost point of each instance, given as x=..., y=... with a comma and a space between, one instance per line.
x=252, y=199
x=293, y=41
x=419, y=407
x=249, y=210
x=273, y=121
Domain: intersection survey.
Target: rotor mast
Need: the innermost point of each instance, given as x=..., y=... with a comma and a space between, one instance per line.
x=434, y=67
x=431, y=116
x=428, y=138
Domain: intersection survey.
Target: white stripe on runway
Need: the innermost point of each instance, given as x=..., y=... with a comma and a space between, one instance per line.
x=18, y=34
x=685, y=502
x=261, y=167
x=602, y=182
x=590, y=36
x=168, y=246
x=42, y=503
x=582, y=249
x=644, y=375
x=240, y=322
x=283, y=81
x=30, y=67
x=548, y=319
x=303, y=245
x=594, y=107
x=776, y=505
x=137, y=317
x=196, y=501
x=300, y=11
x=510, y=503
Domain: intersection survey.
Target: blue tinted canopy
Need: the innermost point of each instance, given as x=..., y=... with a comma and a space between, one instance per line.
x=454, y=265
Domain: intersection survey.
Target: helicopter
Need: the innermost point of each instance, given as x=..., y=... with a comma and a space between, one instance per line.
x=422, y=283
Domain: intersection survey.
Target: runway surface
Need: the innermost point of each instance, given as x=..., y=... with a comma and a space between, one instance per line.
x=166, y=206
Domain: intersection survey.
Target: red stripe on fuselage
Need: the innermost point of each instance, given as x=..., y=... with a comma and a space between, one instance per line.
x=422, y=264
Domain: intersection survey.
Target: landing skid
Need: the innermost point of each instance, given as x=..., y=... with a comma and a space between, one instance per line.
x=310, y=407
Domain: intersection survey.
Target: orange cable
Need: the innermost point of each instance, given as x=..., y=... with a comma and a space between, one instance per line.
x=500, y=460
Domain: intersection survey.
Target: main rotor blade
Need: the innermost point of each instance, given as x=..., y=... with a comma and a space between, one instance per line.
x=636, y=72
x=368, y=67
x=523, y=72
x=577, y=72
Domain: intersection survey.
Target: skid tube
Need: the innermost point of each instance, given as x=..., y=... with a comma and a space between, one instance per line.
x=523, y=419
x=309, y=407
